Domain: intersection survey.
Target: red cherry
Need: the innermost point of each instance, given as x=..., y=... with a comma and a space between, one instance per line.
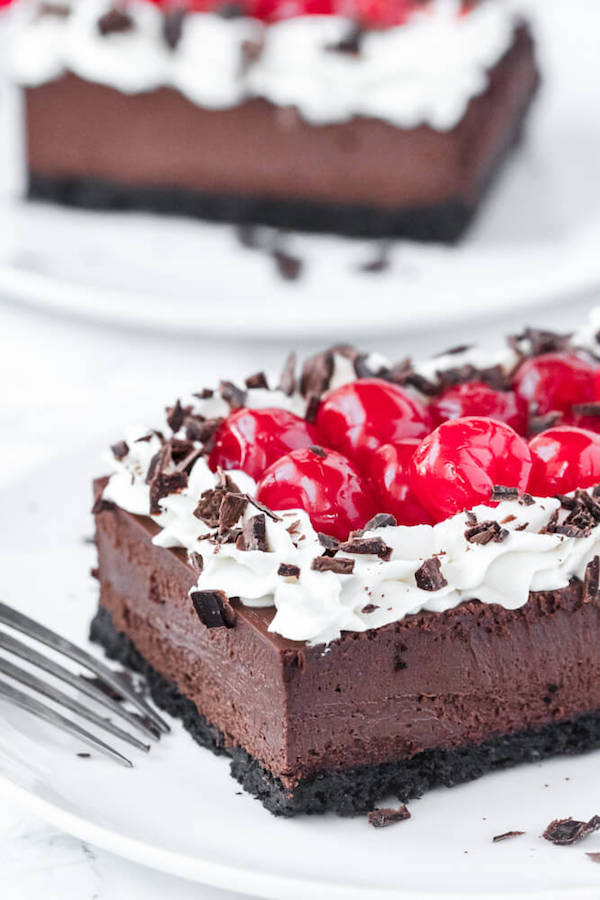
x=360, y=416
x=390, y=483
x=328, y=487
x=251, y=439
x=555, y=381
x=477, y=399
x=383, y=13
x=276, y=10
x=564, y=458
x=457, y=465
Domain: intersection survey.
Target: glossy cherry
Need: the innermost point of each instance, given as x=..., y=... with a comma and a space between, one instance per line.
x=564, y=458
x=252, y=439
x=360, y=416
x=555, y=381
x=476, y=399
x=390, y=482
x=457, y=465
x=325, y=484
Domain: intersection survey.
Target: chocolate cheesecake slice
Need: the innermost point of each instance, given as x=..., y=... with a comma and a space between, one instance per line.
x=307, y=124
x=356, y=604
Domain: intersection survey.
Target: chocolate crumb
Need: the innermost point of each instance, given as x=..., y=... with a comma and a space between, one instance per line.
x=288, y=266
x=254, y=534
x=202, y=430
x=454, y=351
x=338, y=564
x=288, y=570
x=369, y=608
x=115, y=21
x=209, y=507
x=591, y=581
x=232, y=394
x=84, y=755
x=172, y=29
x=429, y=576
x=540, y=341
x=318, y=451
x=507, y=834
x=537, y=424
x=213, y=608
x=316, y=373
x=375, y=546
x=507, y=519
x=120, y=450
x=381, y=818
x=526, y=499
x=484, y=532
x=380, y=262
x=350, y=43
x=258, y=380
x=287, y=382
x=205, y=394
x=569, y=831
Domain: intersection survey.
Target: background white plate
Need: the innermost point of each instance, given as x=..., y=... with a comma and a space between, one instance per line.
x=179, y=810
x=537, y=238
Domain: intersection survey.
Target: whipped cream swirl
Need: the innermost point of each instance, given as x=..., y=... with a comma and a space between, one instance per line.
x=316, y=606
x=425, y=71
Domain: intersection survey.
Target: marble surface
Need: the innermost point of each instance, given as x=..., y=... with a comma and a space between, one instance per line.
x=65, y=384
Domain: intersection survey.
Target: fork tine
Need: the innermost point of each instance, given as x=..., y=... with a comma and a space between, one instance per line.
x=41, y=711
x=31, y=681
x=7, y=642
x=15, y=619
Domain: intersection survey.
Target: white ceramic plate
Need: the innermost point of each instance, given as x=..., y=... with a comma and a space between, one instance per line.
x=537, y=238
x=179, y=811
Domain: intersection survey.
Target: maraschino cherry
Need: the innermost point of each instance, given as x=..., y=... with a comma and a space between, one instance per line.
x=458, y=464
x=360, y=416
x=554, y=382
x=564, y=458
x=477, y=399
x=252, y=439
x=323, y=483
x=390, y=482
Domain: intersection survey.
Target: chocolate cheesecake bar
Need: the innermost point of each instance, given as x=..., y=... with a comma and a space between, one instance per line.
x=316, y=122
x=414, y=638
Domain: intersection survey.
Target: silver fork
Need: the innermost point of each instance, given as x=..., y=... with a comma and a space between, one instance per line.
x=145, y=720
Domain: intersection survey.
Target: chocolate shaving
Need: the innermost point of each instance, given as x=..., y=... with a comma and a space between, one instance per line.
x=591, y=581
x=570, y=831
x=484, y=532
x=380, y=262
x=205, y=394
x=565, y=501
x=331, y=544
x=202, y=430
x=196, y=562
x=526, y=499
x=288, y=570
x=381, y=520
x=163, y=484
x=318, y=451
x=494, y=376
x=213, y=608
x=454, y=351
x=316, y=374
x=232, y=394
x=312, y=407
x=254, y=534
x=287, y=382
x=374, y=545
x=231, y=510
x=258, y=380
x=404, y=374
x=507, y=834
x=115, y=21
x=429, y=576
x=501, y=492
x=540, y=341
x=265, y=509
x=251, y=52
x=586, y=409
x=338, y=564
x=175, y=416
x=595, y=857
x=350, y=43
x=209, y=507
x=537, y=424
x=381, y=818
x=120, y=450
x=288, y=267
x=60, y=10
x=172, y=29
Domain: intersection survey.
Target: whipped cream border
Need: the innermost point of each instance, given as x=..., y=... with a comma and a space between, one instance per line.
x=423, y=72
x=316, y=607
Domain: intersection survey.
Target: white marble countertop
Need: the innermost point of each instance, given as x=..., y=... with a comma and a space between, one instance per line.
x=65, y=383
